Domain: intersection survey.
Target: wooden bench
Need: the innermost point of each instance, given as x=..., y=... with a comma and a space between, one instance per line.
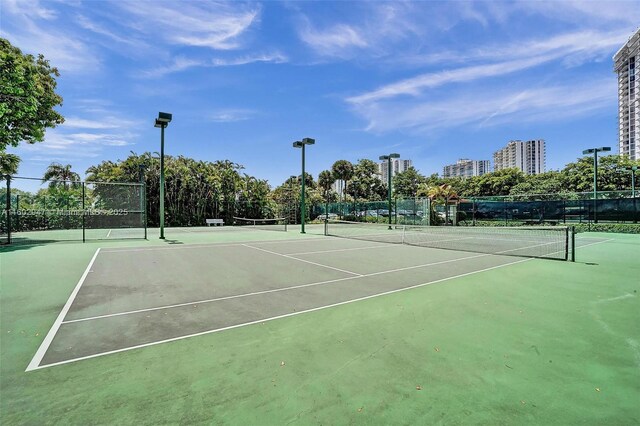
x=215, y=222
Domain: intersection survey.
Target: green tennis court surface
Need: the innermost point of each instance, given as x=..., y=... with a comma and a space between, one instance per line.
x=264, y=327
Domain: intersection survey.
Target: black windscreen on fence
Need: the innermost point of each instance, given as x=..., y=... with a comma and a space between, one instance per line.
x=618, y=210
x=48, y=211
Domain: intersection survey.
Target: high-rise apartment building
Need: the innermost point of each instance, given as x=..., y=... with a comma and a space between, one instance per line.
x=398, y=165
x=466, y=168
x=625, y=65
x=528, y=156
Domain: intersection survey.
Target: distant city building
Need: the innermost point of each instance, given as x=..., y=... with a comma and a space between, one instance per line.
x=337, y=186
x=398, y=165
x=625, y=65
x=466, y=168
x=529, y=156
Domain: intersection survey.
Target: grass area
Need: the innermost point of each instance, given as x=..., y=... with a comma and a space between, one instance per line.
x=539, y=342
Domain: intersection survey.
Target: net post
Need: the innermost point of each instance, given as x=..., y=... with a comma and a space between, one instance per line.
x=326, y=226
x=573, y=243
x=84, y=193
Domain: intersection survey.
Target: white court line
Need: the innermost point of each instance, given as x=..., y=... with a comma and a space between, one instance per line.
x=276, y=290
x=37, y=358
x=387, y=246
x=108, y=233
x=206, y=245
x=173, y=339
x=302, y=260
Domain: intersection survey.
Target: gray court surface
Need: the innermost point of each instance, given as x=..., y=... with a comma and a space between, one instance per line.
x=135, y=297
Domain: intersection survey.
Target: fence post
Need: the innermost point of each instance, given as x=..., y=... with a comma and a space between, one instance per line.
x=473, y=212
x=84, y=193
x=17, y=214
x=8, y=209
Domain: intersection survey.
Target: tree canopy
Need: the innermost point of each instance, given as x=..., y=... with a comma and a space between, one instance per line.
x=27, y=96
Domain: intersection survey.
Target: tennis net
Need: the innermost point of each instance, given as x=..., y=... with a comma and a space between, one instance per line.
x=277, y=224
x=539, y=242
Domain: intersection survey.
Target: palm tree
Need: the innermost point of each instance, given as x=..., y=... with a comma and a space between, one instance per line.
x=325, y=180
x=440, y=194
x=8, y=164
x=342, y=170
x=56, y=173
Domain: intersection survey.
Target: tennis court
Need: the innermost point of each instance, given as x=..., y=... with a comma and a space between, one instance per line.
x=247, y=325
x=135, y=297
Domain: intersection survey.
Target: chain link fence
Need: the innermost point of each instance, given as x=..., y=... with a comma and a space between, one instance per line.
x=39, y=211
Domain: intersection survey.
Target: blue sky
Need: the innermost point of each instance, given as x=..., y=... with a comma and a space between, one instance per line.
x=433, y=81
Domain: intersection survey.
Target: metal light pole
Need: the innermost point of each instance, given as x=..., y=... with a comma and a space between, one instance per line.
x=303, y=210
x=163, y=120
x=388, y=158
x=595, y=152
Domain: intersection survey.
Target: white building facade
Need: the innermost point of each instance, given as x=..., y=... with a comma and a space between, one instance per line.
x=466, y=168
x=528, y=156
x=398, y=165
x=626, y=62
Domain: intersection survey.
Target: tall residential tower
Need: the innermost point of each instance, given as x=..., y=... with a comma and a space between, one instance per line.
x=527, y=156
x=626, y=62
x=466, y=168
x=398, y=165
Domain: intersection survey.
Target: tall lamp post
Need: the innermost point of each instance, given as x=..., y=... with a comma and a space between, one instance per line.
x=303, y=210
x=595, y=152
x=388, y=158
x=163, y=120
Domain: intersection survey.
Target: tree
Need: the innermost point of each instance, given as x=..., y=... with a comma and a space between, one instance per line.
x=366, y=183
x=405, y=184
x=325, y=181
x=8, y=164
x=544, y=183
x=27, y=96
x=439, y=194
x=499, y=182
x=56, y=172
x=342, y=170
x=578, y=176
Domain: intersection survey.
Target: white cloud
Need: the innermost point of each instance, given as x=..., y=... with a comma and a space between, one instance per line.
x=107, y=122
x=36, y=30
x=84, y=136
x=333, y=41
x=489, y=107
x=204, y=24
x=231, y=115
x=379, y=28
x=179, y=63
x=90, y=25
x=28, y=9
x=569, y=49
x=276, y=58
x=415, y=86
